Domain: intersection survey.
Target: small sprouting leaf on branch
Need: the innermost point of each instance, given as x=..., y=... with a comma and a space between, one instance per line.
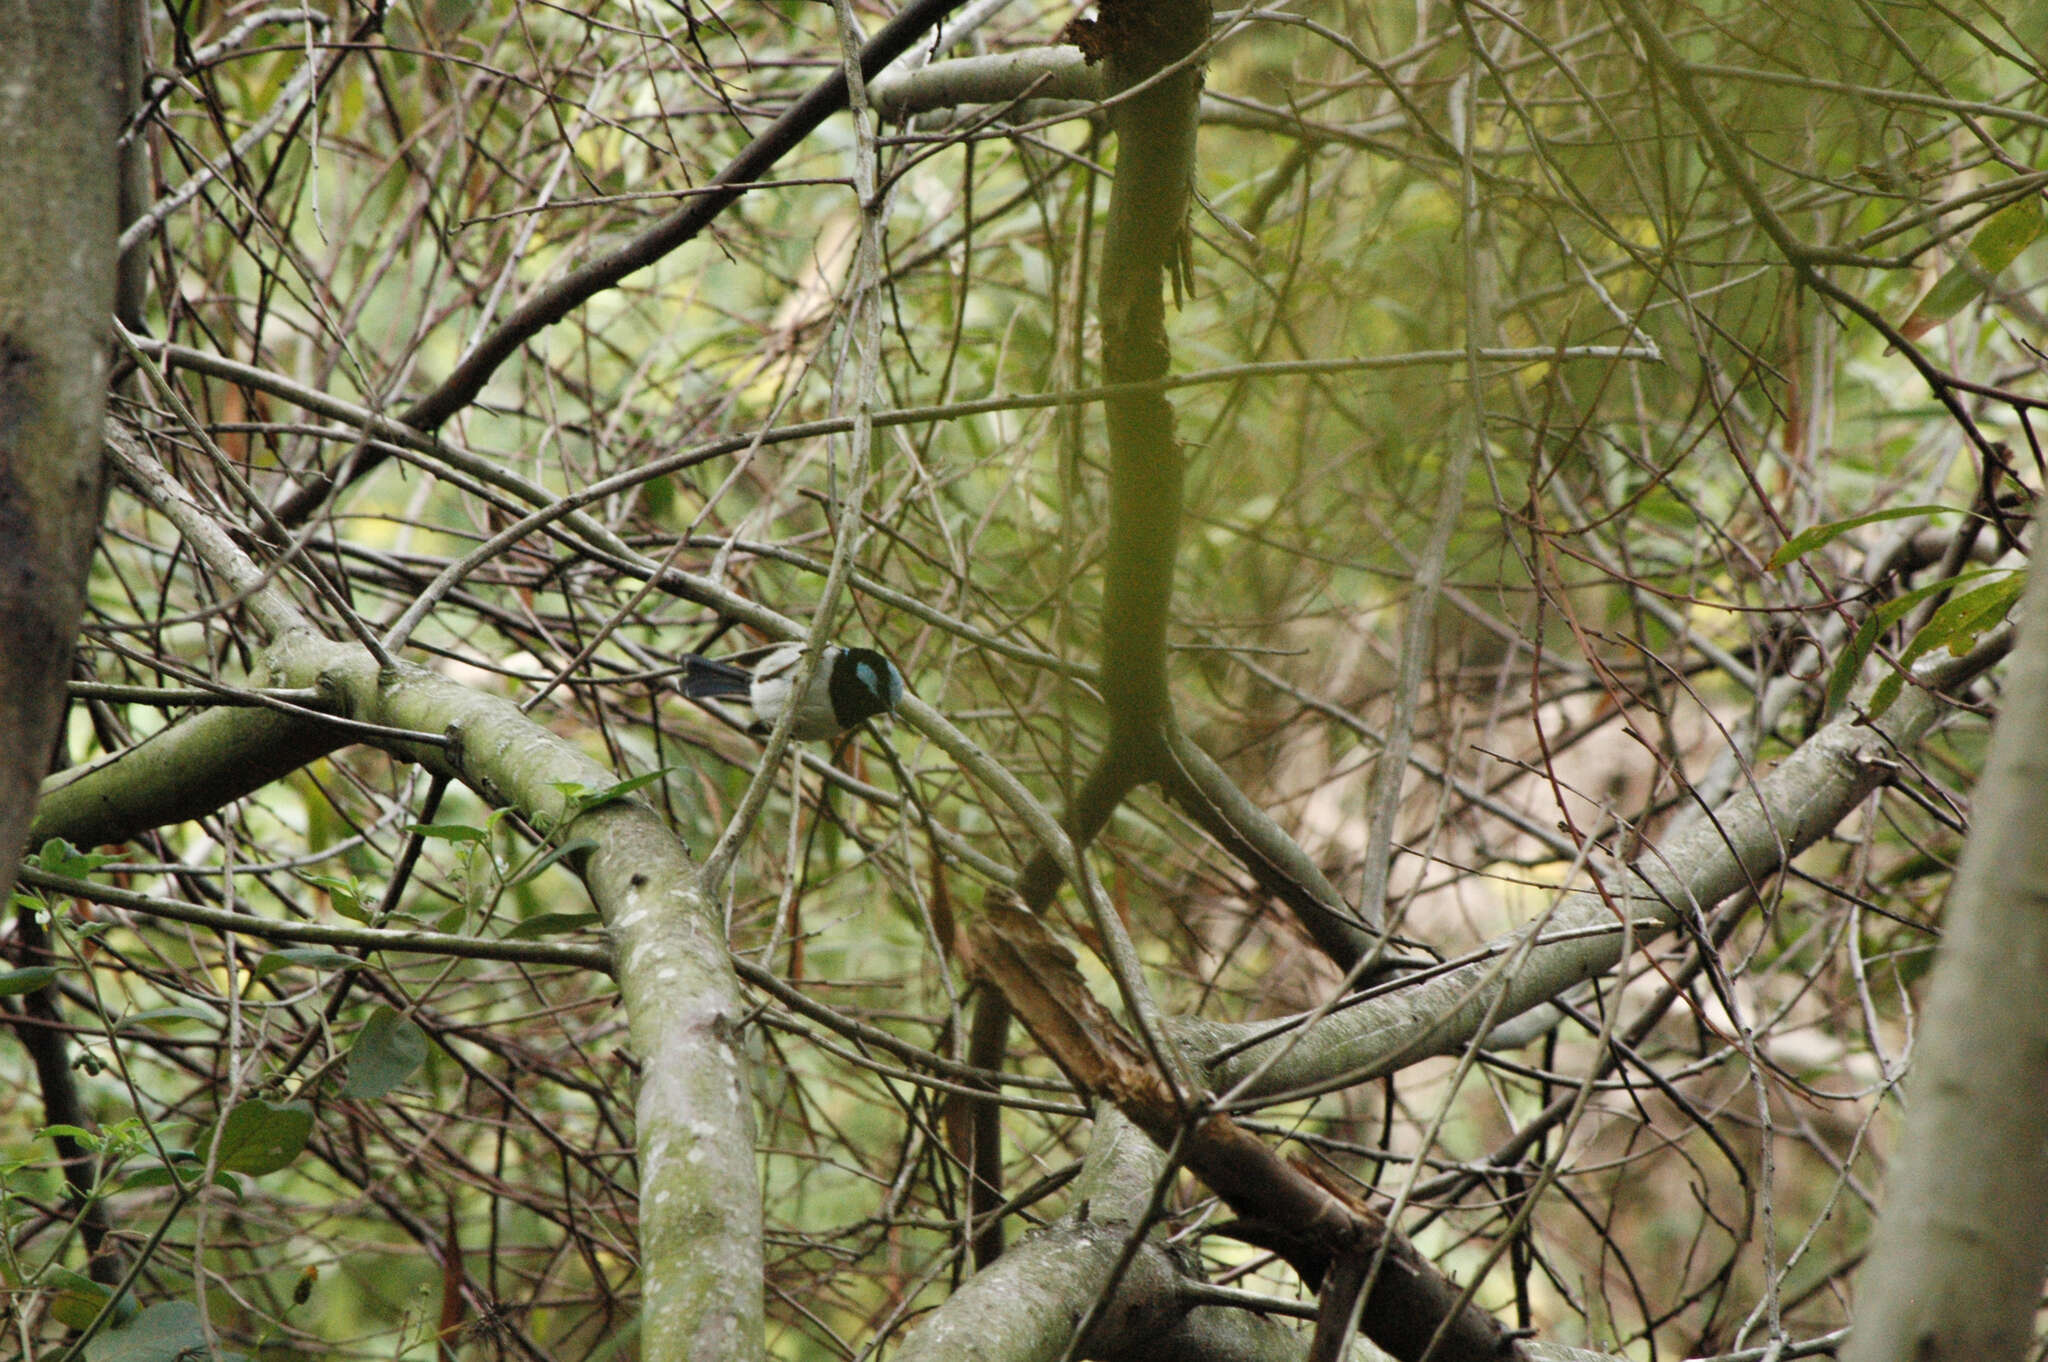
x=59, y=857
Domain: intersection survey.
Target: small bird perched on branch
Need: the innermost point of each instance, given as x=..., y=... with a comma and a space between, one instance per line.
x=849, y=686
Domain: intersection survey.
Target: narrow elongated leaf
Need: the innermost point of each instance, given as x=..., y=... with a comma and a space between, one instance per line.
x=1813, y=536
x=552, y=855
x=1955, y=626
x=551, y=924
x=450, y=832
x=27, y=979
x=1842, y=678
x=157, y=1016
x=1994, y=246
x=306, y=957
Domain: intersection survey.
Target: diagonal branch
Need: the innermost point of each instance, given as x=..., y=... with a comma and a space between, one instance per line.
x=1329, y=1237
x=572, y=290
x=700, y=1202
x=1751, y=836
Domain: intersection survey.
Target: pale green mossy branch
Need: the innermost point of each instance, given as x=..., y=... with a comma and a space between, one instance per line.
x=996, y=78
x=1751, y=836
x=700, y=1204
x=184, y=771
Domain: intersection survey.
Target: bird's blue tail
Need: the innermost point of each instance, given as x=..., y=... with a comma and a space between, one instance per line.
x=706, y=678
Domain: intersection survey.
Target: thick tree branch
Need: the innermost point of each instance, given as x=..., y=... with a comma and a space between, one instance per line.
x=1955, y=1269
x=700, y=1203
x=1749, y=838
x=60, y=113
x=66, y=81
x=1329, y=1237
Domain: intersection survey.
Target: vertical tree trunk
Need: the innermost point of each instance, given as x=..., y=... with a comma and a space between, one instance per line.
x=60, y=115
x=68, y=73
x=1962, y=1239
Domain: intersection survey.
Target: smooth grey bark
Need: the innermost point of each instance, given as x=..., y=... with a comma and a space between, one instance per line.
x=997, y=78
x=1024, y=1307
x=1956, y=1266
x=61, y=101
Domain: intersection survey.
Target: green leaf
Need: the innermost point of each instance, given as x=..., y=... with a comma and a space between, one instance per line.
x=1998, y=241
x=154, y=1175
x=90, y=1139
x=157, y=1015
x=1812, y=537
x=1955, y=626
x=450, y=832
x=304, y=957
x=581, y=798
x=59, y=857
x=345, y=895
x=1849, y=662
x=632, y=784
x=385, y=1054
x=1961, y=621
x=80, y=1299
x=180, y=1169
x=260, y=1137
x=27, y=979
x=351, y=908
x=1842, y=678
x=551, y=924
x=164, y=1332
